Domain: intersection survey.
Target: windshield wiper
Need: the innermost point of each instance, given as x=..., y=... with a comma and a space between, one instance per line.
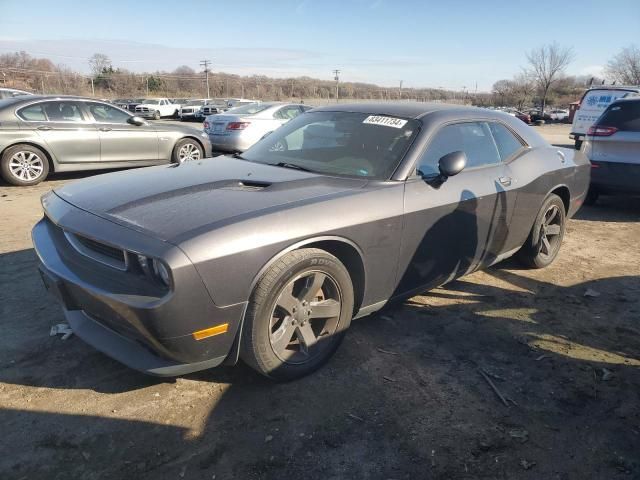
x=291, y=165
x=238, y=155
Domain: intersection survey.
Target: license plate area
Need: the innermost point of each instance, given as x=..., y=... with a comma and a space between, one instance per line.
x=218, y=127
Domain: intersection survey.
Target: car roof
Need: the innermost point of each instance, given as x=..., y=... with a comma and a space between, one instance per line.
x=414, y=110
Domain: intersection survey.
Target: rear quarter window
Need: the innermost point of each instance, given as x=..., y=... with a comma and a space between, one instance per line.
x=506, y=141
x=623, y=116
x=33, y=113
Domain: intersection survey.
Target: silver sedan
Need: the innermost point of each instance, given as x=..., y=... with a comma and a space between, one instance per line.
x=239, y=128
x=39, y=134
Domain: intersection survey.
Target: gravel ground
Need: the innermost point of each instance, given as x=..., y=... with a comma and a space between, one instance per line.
x=404, y=397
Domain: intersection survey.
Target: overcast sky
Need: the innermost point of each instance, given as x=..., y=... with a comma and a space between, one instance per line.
x=450, y=43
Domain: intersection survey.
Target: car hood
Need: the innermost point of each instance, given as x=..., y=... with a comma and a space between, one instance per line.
x=175, y=202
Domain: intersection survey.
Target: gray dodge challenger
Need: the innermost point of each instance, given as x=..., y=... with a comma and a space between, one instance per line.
x=268, y=255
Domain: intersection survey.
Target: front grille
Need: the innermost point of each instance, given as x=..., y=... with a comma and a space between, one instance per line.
x=101, y=248
x=98, y=251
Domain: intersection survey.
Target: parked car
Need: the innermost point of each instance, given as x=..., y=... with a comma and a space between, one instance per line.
x=612, y=145
x=593, y=103
x=239, y=128
x=268, y=255
x=525, y=117
x=222, y=105
x=156, y=108
x=12, y=92
x=129, y=104
x=40, y=134
x=559, y=115
x=191, y=110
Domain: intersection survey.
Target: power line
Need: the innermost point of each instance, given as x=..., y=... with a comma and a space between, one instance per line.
x=205, y=64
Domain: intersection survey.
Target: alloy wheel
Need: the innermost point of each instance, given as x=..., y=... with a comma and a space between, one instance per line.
x=188, y=152
x=305, y=315
x=26, y=166
x=550, y=231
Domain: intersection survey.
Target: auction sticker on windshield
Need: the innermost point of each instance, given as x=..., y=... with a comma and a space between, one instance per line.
x=385, y=121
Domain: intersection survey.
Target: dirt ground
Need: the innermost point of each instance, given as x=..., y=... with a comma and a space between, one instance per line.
x=404, y=397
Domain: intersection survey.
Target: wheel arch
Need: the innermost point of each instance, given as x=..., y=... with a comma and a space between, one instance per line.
x=191, y=137
x=348, y=252
x=52, y=163
x=565, y=195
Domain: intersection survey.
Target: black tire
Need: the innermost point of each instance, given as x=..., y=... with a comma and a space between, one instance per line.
x=156, y=115
x=256, y=346
x=578, y=144
x=535, y=253
x=178, y=155
x=592, y=197
x=35, y=165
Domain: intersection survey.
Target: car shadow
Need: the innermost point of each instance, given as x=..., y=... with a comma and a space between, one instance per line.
x=402, y=398
x=610, y=208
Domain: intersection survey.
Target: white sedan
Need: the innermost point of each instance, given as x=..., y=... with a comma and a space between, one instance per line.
x=559, y=115
x=239, y=128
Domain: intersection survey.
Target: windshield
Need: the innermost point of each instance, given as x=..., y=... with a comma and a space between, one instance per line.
x=195, y=102
x=250, y=109
x=150, y=101
x=339, y=143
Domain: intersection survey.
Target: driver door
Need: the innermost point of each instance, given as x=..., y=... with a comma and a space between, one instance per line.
x=457, y=227
x=120, y=141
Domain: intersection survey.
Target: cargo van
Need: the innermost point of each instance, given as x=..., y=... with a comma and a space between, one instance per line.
x=593, y=103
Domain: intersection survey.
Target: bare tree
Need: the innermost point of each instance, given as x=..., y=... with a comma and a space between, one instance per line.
x=98, y=62
x=625, y=66
x=547, y=64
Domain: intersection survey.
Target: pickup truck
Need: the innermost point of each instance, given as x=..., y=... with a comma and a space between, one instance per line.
x=157, y=108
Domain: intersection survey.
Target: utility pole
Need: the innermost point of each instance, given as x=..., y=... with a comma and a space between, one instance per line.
x=336, y=77
x=400, y=91
x=93, y=90
x=205, y=64
x=147, y=79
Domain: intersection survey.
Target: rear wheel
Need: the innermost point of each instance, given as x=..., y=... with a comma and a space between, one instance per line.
x=297, y=315
x=578, y=143
x=544, y=241
x=24, y=165
x=186, y=150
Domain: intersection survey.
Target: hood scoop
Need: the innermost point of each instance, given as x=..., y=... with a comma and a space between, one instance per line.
x=246, y=185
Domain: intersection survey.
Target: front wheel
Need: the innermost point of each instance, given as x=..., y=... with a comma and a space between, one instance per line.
x=543, y=244
x=156, y=115
x=24, y=165
x=297, y=315
x=186, y=150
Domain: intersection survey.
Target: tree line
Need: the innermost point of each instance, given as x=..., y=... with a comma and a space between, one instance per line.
x=541, y=82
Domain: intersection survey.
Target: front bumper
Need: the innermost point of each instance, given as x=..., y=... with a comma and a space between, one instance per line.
x=123, y=315
x=145, y=115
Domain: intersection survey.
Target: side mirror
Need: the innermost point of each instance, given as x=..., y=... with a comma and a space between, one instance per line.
x=137, y=121
x=449, y=165
x=452, y=164
x=266, y=135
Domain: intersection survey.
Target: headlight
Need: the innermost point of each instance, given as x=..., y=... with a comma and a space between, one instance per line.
x=154, y=268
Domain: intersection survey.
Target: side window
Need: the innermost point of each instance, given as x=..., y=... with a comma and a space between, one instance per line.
x=287, y=113
x=63, y=112
x=472, y=138
x=507, y=142
x=107, y=114
x=33, y=113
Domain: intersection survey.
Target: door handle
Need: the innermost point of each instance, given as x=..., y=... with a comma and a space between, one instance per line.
x=105, y=129
x=44, y=127
x=506, y=181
